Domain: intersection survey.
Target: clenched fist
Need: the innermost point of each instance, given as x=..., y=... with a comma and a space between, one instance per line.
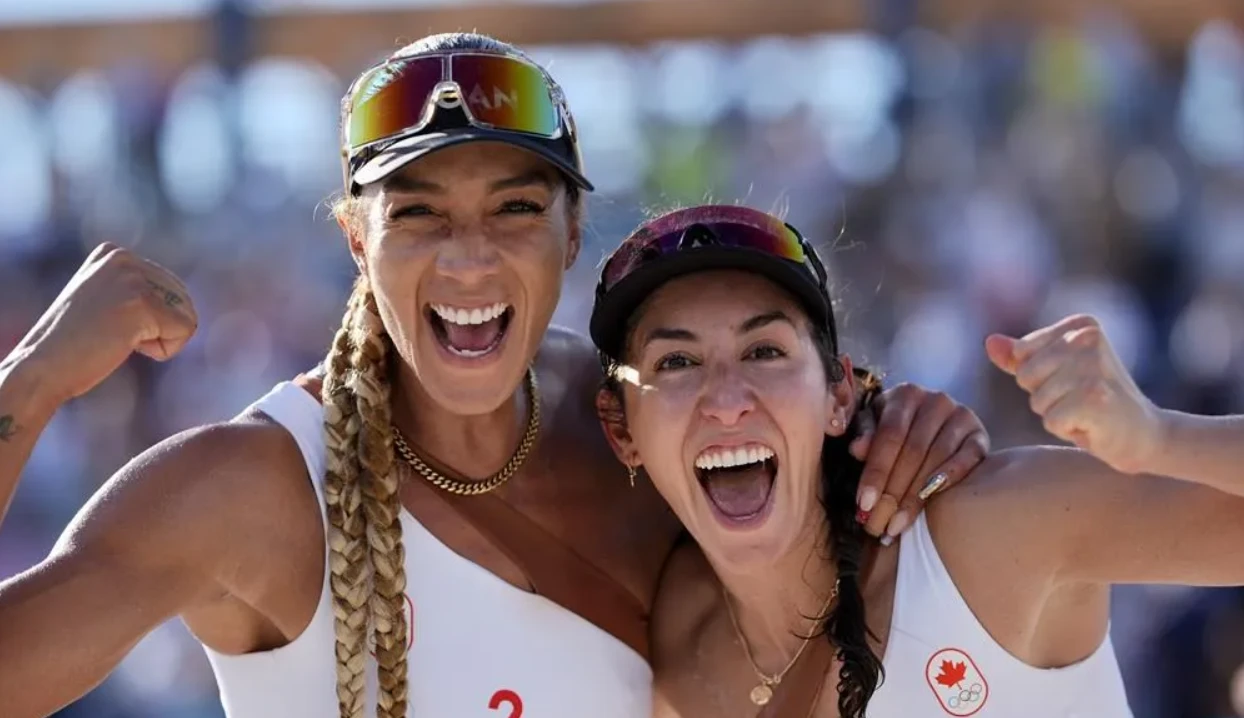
x=116, y=303
x=1081, y=390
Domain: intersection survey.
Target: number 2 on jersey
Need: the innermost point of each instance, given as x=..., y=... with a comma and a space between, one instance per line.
x=507, y=696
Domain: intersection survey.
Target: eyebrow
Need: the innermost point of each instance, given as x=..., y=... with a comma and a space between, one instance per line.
x=751, y=325
x=411, y=185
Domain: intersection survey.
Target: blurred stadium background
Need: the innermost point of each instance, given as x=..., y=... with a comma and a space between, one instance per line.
x=976, y=165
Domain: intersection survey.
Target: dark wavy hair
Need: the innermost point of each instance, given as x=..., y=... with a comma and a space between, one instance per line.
x=844, y=625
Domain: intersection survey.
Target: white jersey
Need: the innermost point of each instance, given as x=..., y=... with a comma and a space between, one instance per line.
x=480, y=647
x=941, y=661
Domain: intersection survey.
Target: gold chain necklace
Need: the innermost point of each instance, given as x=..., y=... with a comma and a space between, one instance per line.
x=763, y=693
x=475, y=488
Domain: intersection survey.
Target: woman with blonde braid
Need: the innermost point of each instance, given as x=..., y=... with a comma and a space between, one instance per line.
x=468, y=526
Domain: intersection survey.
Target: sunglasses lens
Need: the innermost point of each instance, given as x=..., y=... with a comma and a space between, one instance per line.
x=505, y=94
x=500, y=93
x=390, y=99
x=776, y=239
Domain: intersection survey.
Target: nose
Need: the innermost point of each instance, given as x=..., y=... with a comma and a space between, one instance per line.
x=469, y=257
x=727, y=397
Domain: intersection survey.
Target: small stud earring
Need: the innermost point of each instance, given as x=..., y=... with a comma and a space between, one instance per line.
x=835, y=424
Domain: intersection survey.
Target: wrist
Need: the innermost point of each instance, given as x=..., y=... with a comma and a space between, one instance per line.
x=1162, y=442
x=25, y=384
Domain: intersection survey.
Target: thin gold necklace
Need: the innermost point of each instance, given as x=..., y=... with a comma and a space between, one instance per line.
x=763, y=693
x=475, y=488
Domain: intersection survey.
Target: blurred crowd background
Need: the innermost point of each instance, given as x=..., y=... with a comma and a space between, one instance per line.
x=989, y=177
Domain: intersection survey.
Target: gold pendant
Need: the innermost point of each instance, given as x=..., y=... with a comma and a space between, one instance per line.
x=762, y=694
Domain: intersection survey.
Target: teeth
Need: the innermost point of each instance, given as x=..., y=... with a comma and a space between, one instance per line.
x=724, y=458
x=466, y=317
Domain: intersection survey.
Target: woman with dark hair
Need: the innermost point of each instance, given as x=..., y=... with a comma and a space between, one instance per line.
x=727, y=386
x=451, y=499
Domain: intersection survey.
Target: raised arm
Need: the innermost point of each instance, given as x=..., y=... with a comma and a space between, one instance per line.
x=114, y=305
x=1207, y=450
x=1104, y=514
x=170, y=531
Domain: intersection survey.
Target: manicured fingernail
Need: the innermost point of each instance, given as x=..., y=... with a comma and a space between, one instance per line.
x=886, y=539
x=868, y=498
x=935, y=482
x=897, y=524
x=861, y=516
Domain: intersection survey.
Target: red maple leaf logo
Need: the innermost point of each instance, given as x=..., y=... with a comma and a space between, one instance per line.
x=951, y=673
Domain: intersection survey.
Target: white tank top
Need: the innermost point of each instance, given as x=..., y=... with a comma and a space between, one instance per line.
x=481, y=647
x=941, y=661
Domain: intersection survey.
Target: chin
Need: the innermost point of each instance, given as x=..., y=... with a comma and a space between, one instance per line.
x=754, y=545
x=756, y=554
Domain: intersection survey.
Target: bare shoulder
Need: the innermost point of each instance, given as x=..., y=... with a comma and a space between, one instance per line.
x=573, y=357
x=202, y=497
x=686, y=598
x=565, y=342
x=1004, y=533
x=570, y=377
x=1030, y=479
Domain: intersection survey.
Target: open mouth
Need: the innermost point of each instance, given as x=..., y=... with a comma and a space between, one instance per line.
x=473, y=332
x=738, y=479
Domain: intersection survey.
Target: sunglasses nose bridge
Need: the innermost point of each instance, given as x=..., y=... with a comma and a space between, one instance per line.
x=447, y=94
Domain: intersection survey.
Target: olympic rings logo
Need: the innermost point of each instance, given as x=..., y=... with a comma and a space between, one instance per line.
x=971, y=694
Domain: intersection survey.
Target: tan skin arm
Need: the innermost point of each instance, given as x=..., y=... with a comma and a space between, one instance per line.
x=25, y=410
x=115, y=305
x=174, y=532
x=1067, y=518
x=1118, y=524
x=1062, y=525
x=1203, y=449
x=165, y=535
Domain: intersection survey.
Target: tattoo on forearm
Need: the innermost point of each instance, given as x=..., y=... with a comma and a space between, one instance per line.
x=171, y=298
x=8, y=427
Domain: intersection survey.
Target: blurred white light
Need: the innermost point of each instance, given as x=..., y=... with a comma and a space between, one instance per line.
x=85, y=134
x=288, y=116
x=1203, y=340
x=25, y=169
x=690, y=82
x=1003, y=251
x=854, y=77
x=864, y=155
x=931, y=346
x=194, y=144
x=772, y=73
x=1211, y=109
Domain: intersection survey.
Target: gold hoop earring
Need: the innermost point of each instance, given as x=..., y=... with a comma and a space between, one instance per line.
x=630, y=473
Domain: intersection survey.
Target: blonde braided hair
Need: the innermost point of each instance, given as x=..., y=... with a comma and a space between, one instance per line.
x=366, y=557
